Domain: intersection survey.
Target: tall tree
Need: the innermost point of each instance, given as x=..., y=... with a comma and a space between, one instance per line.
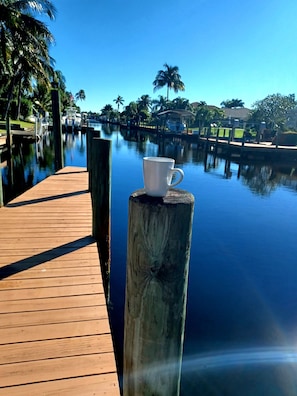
x=205, y=115
x=60, y=79
x=160, y=104
x=41, y=96
x=169, y=78
x=274, y=110
x=181, y=103
x=144, y=102
x=80, y=95
x=107, y=111
x=24, y=42
x=119, y=101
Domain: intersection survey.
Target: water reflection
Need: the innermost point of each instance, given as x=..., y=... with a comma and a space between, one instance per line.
x=30, y=163
x=261, y=178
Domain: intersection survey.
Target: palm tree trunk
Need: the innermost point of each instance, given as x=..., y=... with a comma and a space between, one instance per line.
x=19, y=99
x=9, y=97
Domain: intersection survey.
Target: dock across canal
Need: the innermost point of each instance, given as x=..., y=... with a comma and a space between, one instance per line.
x=55, y=337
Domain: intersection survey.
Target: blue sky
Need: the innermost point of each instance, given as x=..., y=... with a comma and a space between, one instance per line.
x=224, y=49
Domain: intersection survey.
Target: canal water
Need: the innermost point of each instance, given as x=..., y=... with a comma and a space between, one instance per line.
x=241, y=324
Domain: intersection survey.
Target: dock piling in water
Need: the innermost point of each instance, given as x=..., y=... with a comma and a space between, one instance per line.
x=91, y=133
x=1, y=190
x=101, y=201
x=57, y=127
x=159, y=239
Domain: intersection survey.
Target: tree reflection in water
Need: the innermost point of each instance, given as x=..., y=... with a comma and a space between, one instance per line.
x=30, y=163
x=262, y=180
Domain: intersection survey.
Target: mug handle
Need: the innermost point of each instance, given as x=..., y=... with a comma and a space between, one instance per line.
x=181, y=176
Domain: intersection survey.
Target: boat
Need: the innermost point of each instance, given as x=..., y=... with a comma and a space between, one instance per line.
x=71, y=119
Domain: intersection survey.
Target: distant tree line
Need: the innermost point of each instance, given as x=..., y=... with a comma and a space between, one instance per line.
x=276, y=112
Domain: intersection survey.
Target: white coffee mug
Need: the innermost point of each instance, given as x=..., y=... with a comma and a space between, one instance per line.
x=157, y=175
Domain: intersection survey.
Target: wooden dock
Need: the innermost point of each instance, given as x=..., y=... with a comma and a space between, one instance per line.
x=55, y=337
x=249, y=151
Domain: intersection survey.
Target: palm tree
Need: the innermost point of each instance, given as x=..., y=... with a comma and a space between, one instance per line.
x=60, y=79
x=160, y=104
x=107, y=111
x=144, y=102
x=181, y=103
x=30, y=63
x=170, y=78
x=42, y=96
x=233, y=103
x=119, y=101
x=17, y=22
x=80, y=95
x=24, y=43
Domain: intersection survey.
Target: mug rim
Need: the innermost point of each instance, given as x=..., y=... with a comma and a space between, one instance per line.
x=159, y=159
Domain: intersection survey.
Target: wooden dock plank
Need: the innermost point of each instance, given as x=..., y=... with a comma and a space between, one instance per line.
x=50, y=349
x=46, y=292
x=53, y=331
x=41, y=304
x=55, y=337
x=24, y=280
x=53, y=369
x=95, y=385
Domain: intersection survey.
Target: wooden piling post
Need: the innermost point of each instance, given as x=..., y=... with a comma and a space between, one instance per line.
x=233, y=133
x=216, y=144
x=57, y=127
x=89, y=138
x=8, y=137
x=159, y=238
x=9, y=156
x=218, y=133
x=91, y=133
x=230, y=136
x=243, y=138
x=1, y=190
x=276, y=140
x=101, y=202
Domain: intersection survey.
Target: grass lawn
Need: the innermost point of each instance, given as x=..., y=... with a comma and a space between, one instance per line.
x=223, y=132
x=22, y=124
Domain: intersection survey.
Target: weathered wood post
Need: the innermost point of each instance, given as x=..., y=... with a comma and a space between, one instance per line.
x=1, y=190
x=8, y=137
x=276, y=139
x=57, y=127
x=101, y=199
x=218, y=133
x=243, y=138
x=216, y=144
x=89, y=138
x=159, y=239
x=91, y=133
x=230, y=136
x=9, y=156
